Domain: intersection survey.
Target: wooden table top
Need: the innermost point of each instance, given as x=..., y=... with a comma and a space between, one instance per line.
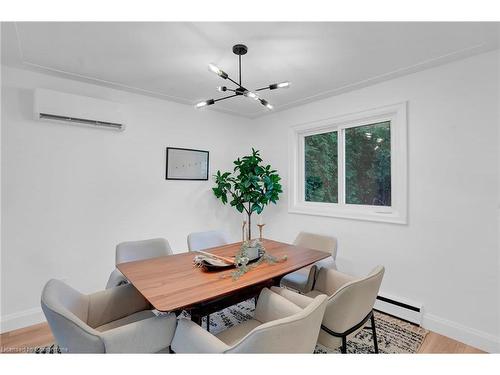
x=172, y=282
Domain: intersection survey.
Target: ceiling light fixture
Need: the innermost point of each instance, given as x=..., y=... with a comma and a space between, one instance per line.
x=205, y=103
x=251, y=95
x=217, y=71
x=281, y=85
x=240, y=90
x=266, y=104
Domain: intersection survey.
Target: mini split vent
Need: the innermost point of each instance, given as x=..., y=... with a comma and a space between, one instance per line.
x=110, y=125
x=77, y=110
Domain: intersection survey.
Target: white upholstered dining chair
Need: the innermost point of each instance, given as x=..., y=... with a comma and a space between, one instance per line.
x=137, y=250
x=303, y=279
x=350, y=304
x=206, y=240
x=278, y=326
x=116, y=320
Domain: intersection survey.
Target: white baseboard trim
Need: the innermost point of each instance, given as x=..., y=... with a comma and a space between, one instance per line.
x=21, y=319
x=470, y=336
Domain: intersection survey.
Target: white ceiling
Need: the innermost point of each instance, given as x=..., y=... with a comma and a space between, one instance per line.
x=169, y=60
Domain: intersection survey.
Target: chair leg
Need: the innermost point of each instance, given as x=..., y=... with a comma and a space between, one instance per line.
x=375, y=343
x=208, y=323
x=343, y=348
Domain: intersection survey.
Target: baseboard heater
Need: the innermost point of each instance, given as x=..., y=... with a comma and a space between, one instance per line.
x=400, y=308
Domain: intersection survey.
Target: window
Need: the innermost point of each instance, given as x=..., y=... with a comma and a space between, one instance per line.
x=368, y=164
x=321, y=175
x=352, y=166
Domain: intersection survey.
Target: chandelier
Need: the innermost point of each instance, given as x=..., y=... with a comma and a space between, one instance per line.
x=240, y=90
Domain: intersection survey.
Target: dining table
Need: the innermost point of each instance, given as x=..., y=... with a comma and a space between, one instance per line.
x=173, y=283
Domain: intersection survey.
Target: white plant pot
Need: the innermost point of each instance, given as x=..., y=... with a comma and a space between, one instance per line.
x=252, y=253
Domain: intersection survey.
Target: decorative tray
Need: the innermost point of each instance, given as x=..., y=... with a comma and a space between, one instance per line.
x=211, y=263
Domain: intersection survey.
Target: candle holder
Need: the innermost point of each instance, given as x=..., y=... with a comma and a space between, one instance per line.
x=243, y=230
x=260, y=230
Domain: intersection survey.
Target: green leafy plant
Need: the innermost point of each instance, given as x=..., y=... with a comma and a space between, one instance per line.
x=250, y=187
x=242, y=262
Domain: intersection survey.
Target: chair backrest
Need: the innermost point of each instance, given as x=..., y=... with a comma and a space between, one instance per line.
x=206, y=240
x=66, y=311
x=144, y=249
x=352, y=301
x=317, y=242
x=297, y=333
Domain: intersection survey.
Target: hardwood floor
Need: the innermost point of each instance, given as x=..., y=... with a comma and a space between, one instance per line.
x=26, y=339
x=436, y=343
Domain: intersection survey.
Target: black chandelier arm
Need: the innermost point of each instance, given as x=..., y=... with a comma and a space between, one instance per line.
x=262, y=88
x=224, y=75
x=225, y=97
x=233, y=81
x=225, y=88
x=239, y=88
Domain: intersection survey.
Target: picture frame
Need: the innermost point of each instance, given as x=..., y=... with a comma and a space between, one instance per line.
x=186, y=164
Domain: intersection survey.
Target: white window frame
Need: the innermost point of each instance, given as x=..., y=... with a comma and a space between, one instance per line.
x=398, y=211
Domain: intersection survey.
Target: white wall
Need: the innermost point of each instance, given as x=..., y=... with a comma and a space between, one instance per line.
x=70, y=194
x=447, y=255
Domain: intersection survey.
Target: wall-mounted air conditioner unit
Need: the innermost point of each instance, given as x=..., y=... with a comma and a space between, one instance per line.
x=77, y=110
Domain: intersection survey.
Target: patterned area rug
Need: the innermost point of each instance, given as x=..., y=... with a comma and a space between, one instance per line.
x=393, y=335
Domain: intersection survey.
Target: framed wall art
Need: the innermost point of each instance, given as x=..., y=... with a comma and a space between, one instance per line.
x=186, y=164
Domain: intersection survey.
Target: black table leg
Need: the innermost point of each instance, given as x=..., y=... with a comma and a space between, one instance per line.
x=196, y=318
x=210, y=307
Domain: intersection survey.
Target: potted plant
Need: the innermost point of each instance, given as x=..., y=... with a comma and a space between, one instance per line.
x=250, y=187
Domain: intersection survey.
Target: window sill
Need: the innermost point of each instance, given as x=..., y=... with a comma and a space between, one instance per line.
x=392, y=217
